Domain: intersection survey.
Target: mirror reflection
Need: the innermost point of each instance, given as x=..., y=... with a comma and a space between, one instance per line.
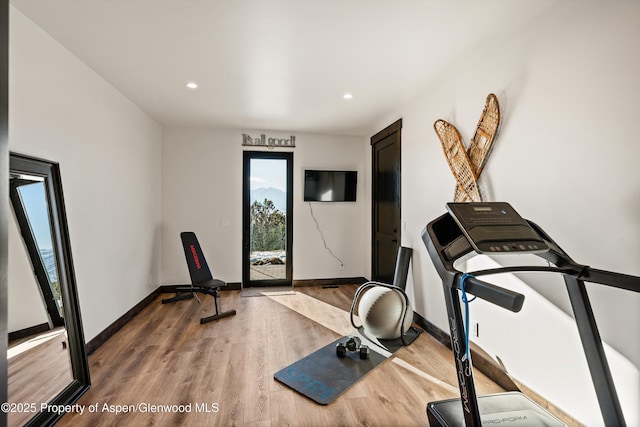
x=46, y=357
x=38, y=357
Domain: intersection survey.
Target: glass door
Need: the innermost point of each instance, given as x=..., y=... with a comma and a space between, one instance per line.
x=267, y=219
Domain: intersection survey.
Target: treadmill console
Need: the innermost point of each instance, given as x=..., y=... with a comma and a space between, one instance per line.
x=495, y=227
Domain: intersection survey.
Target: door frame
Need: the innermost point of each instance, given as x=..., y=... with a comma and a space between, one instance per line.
x=4, y=197
x=246, y=218
x=396, y=128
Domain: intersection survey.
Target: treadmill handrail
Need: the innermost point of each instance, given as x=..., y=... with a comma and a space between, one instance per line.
x=501, y=297
x=586, y=274
x=609, y=278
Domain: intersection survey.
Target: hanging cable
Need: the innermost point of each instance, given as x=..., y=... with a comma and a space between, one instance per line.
x=324, y=241
x=466, y=302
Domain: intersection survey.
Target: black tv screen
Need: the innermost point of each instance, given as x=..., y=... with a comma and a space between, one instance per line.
x=330, y=186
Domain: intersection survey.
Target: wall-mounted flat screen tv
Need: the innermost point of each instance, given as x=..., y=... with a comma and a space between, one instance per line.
x=330, y=186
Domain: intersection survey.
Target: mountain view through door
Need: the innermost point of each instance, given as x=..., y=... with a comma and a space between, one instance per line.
x=267, y=219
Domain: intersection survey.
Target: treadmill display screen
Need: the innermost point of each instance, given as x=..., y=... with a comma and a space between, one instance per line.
x=495, y=227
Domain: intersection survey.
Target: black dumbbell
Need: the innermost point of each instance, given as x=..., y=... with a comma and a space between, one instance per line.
x=364, y=352
x=353, y=344
x=341, y=350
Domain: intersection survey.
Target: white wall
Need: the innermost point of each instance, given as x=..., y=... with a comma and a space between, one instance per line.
x=566, y=156
x=202, y=185
x=109, y=156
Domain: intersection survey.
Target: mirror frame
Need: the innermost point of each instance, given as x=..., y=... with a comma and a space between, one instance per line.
x=81, y=381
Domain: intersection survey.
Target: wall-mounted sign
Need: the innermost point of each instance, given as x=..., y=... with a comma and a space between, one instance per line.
x=263, y=141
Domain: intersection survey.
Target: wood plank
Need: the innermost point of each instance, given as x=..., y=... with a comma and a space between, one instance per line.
x=257, y=399
x=283, y=409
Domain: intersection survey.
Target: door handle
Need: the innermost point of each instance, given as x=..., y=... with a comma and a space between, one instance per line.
x=394, y=240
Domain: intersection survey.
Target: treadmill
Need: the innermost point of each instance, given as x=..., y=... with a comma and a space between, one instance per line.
x=496, y=228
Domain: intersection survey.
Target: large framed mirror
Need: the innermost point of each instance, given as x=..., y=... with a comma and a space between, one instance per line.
x=46, y=356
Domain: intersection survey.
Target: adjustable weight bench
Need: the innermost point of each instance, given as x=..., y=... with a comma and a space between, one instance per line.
x=201, y=278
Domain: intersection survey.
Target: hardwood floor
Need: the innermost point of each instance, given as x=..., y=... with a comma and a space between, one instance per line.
x=38, y=368
x=223, y=371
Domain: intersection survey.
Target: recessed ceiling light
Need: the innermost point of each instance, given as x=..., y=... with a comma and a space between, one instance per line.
x=192, y=85
x=347, y=96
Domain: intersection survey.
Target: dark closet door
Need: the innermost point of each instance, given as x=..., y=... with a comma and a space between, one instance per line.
x=386, y=202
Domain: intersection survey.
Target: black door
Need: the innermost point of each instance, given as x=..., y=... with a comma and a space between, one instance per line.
x=267, y=218
x=386, y=202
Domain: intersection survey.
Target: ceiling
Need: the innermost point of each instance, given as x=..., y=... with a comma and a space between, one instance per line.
x=276, y=64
